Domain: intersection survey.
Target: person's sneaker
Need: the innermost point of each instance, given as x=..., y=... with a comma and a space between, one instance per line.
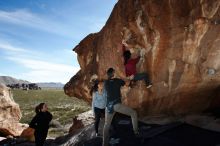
x=114, y=141
x=144, y=128
x=137, y=135
x=150, y=85
x=98, y=135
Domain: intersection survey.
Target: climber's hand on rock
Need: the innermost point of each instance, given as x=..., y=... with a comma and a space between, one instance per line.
x=134, y=54
x=127, y=82
x=131, y=77
x=142, y=52
x=124, y=43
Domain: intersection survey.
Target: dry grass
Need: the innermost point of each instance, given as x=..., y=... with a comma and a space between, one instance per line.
x=61, y=106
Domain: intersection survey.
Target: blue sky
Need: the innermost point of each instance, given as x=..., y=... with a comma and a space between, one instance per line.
x=37, y=36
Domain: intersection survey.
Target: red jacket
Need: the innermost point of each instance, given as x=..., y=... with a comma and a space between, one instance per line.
x=130, y=66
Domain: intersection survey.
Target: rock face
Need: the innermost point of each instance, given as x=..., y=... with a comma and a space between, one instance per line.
x=10, y=114
x=81, y=130
x=78, y=139
x=180, y=41
x=80, y=121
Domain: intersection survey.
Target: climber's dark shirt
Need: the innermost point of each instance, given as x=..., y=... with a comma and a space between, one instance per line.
x=113, y=88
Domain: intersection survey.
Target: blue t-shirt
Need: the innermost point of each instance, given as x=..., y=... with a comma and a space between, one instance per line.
x=99, y=100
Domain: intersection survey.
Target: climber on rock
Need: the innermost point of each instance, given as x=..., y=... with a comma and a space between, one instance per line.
x=113, y=86
x=98, y=93
x=130, y=66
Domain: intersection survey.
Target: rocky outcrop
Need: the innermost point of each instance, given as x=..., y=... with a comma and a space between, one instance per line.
x=10, y=114
x=81, y=130
x=28, y=134
x=80, y=121
x=181, y=47
x=177, y=131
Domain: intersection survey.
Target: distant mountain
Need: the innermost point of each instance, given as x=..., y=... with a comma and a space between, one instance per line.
x=10, y=80
x=50, y=85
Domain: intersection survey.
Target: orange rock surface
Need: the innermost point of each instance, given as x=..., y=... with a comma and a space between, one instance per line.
x=180, y=43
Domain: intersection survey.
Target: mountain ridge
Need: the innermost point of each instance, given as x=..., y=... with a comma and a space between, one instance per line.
x=11, y=80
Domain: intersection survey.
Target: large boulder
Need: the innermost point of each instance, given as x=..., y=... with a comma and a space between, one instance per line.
x=10, y=114
x=180, y=41
x=80, y=121
x=28, y=134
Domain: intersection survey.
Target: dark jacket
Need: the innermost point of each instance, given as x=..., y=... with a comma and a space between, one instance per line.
x=113, y=89
x=41, y=122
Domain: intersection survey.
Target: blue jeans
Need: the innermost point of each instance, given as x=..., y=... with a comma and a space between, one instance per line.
x=142, y=76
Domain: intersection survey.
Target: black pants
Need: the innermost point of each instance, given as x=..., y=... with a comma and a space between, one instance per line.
x=98, y=114
x=40, y=138
x=142, y=76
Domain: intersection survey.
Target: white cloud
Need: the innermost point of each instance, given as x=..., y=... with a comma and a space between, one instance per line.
x=94, y=26
x=25, y=18
x=1, y=74
x=59, y=73
x=8, y=47
x=46, y=76
x=41, y=65
x=69, y=51
x=70, y=29
x=19, y=17
x=39, y=70
x=21, y=52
